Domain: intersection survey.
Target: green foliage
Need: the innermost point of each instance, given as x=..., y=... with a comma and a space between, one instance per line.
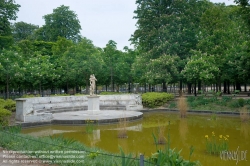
x=10, y=105
x=14, y=129
x=22, y=142
x=8, y=12
x=172, y=105
x=23, y=31
x=200, y=67
x=126, y=159
x=4, y=117
x=90, y=126
x=62, y=22
x=214, y=145
x=154, y=99
x=169, y=156
x=111, y=93
x=234, y=104
x=241, y=102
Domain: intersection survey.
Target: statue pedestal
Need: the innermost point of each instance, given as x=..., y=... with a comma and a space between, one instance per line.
x=93, y=104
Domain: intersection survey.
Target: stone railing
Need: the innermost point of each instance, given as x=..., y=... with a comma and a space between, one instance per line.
x=36, y=109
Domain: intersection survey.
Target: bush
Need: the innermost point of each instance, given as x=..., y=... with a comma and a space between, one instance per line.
x=10, y=105
x=248, y=101
x=154, y=99
x=4, y=117
x=234, y=104
x=241, y=102
x=111, y=93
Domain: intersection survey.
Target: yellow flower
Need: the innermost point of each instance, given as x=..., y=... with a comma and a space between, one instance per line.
x=227, y=136
x=206, y=136
x=220, y=136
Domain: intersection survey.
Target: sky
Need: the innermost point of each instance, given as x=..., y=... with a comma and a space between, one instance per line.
x=101, y=20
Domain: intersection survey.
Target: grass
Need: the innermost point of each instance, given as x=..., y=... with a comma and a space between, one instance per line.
x=58, y=148
x=226, y=103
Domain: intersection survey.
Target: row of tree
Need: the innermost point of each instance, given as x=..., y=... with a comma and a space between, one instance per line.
x=195, y=41
x=191, y=42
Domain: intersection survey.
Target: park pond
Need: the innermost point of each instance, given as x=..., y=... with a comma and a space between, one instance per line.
x=183, y=133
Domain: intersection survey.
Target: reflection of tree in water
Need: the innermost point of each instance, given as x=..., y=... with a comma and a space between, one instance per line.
x=94, y=138
x=183, y=129
x=244, y=130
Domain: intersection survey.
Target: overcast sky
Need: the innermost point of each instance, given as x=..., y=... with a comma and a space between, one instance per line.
x=101, y=20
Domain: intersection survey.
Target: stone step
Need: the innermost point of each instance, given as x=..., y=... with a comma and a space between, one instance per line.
x=68, y=109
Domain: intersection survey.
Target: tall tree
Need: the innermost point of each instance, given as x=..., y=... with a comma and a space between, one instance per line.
x=23, y=31
x=62, y=22
x=8, y=10
x=111, y=55
x=9, y=68
x=166, y=27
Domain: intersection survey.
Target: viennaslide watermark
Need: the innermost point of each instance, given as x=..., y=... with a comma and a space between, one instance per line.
x=237, y=155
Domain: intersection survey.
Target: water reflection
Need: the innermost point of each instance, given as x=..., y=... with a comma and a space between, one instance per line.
x=183, y=133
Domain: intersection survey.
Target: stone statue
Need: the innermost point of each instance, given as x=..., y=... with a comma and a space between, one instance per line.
x=92, y=80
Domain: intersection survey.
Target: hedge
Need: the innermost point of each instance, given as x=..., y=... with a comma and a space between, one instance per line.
x=155, y=99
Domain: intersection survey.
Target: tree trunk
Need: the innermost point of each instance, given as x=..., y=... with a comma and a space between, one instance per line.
x=195, y=94
x=7, y=86
x=40, y=89
x=219, y=84
x=238, y=87
x=225, y=87
x=245, y=87
x=164, y=88
x=189, y=88
x=199, y=85
x=149, y=87
x=180, y=88
x=145, y=87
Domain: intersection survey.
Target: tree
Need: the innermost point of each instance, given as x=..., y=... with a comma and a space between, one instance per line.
x=62, y=22
x=9, y=68
x=111, y=55
x=38, y=70
x=8, y=10
x=167, y=28
x=224, y=35
x=78, y=62
x=23, y=31
x=200, y=67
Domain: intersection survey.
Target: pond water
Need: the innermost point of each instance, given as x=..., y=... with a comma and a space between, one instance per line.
x=183, y=133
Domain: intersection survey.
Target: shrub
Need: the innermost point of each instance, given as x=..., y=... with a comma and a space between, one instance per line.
x=234, y=104
x=154, y=99
x=10, y=105
x=226, y=98
x=241, y=102
x=172, y=105
x=4, y=117
x=248, y=101
x=190, y=99
x=30, y=96
x=110, y=93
